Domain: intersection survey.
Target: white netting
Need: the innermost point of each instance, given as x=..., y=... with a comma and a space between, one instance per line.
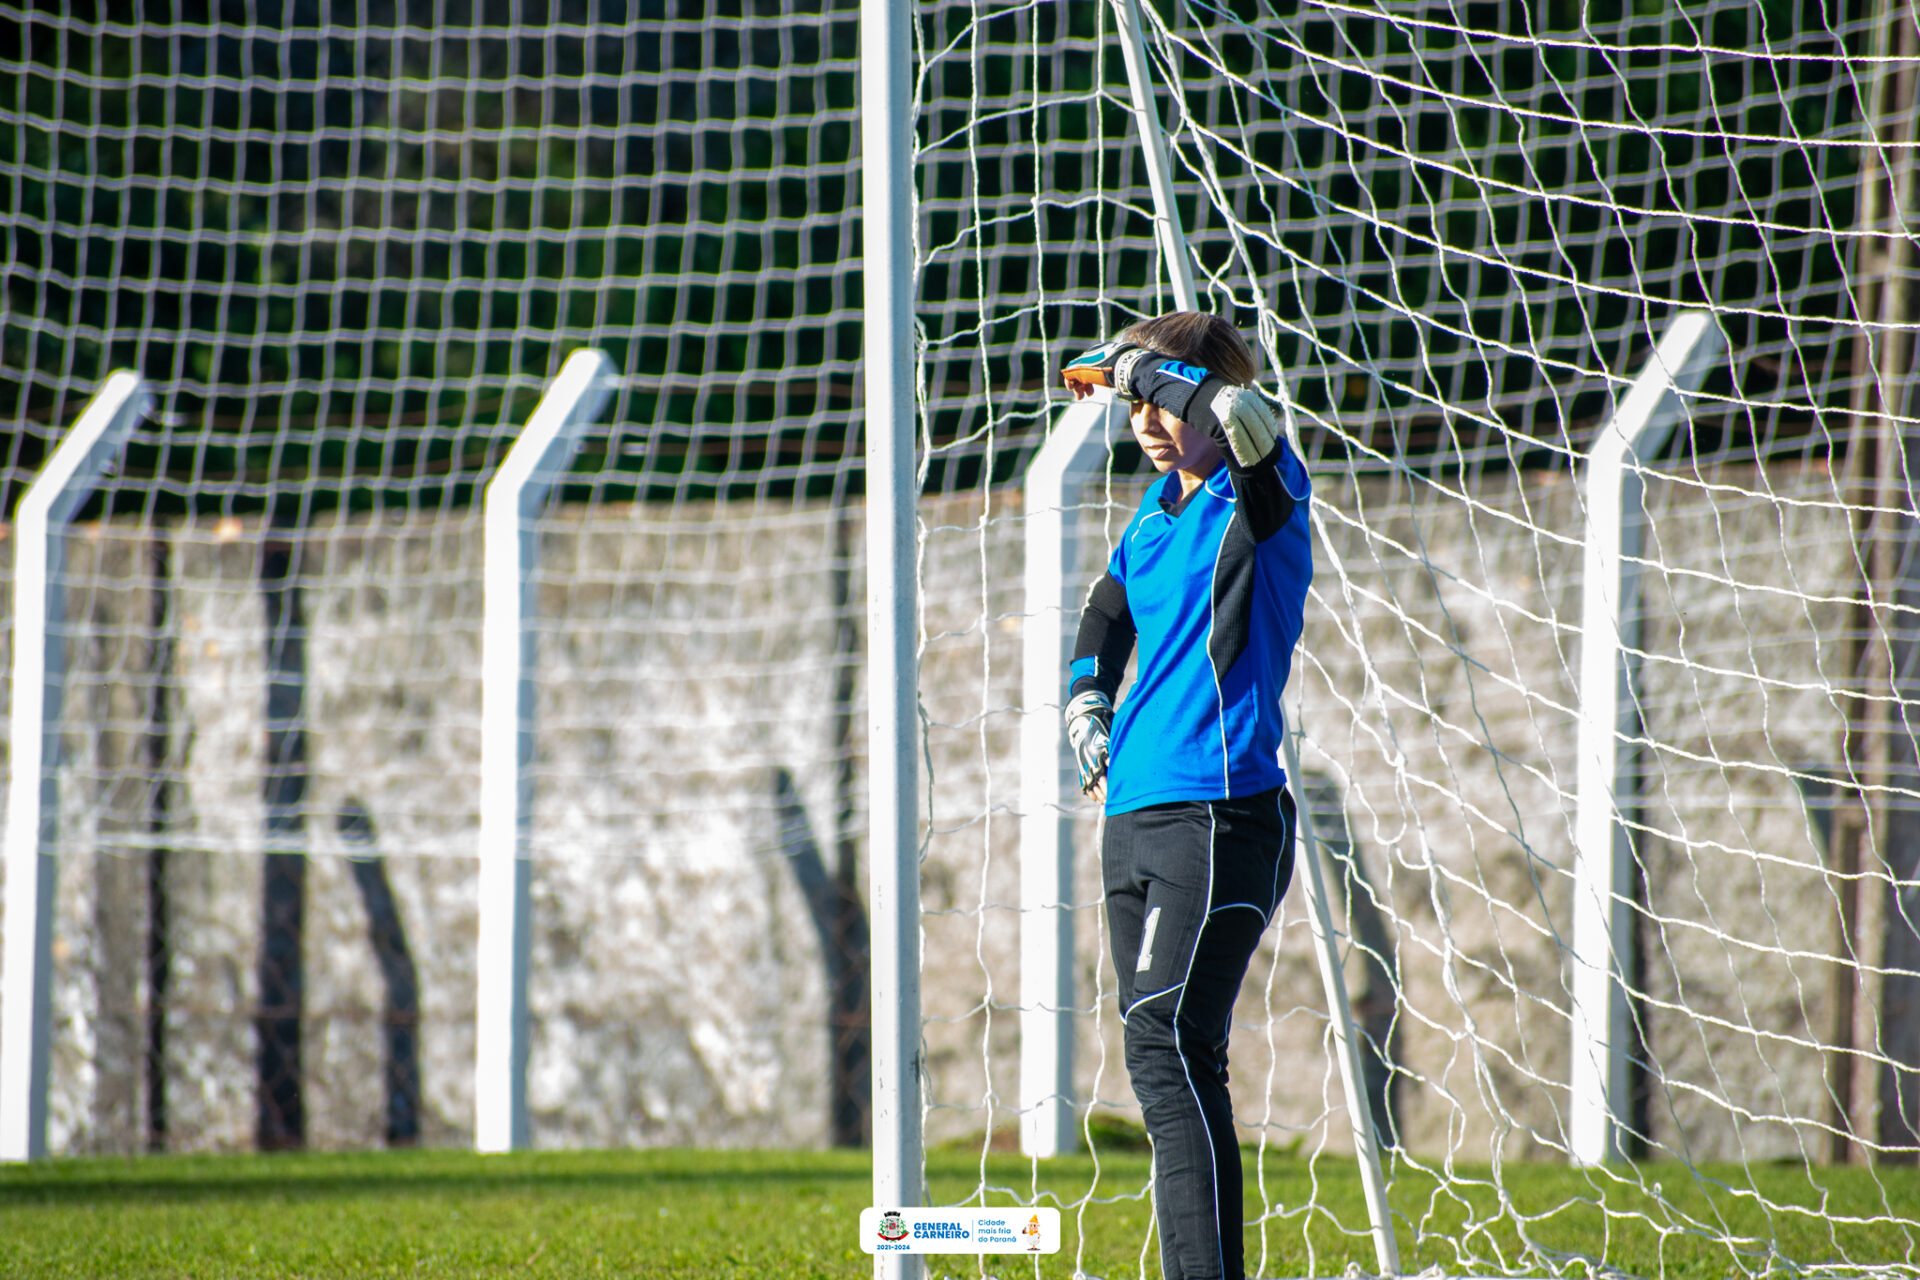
x=349, y=244
x=1459, y=230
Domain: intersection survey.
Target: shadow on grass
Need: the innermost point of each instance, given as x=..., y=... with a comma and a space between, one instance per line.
x=423, y=1175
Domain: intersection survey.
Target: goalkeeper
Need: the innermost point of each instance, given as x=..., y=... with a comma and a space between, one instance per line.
x=1208, y=584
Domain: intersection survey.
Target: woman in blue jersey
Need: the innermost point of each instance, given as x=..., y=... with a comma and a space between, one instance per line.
x=1206, y=586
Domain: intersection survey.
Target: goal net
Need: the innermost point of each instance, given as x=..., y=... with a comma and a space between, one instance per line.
x=348, y=247
x=348, y=253
x=1458, y=233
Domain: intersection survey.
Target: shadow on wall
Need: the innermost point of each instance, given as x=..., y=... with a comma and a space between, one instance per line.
x=840, y=920
x=281, y=1104
x=280, y=1090
x=401, y=1023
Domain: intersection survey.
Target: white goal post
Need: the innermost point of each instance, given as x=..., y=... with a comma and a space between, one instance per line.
x=892, y=615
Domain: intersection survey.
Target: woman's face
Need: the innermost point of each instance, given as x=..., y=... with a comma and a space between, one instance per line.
x=1169, y=443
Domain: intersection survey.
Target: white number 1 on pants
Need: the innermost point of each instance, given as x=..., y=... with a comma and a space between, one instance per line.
x=1145, y=961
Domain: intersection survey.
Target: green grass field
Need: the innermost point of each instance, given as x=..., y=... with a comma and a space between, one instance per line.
x=701, y=1214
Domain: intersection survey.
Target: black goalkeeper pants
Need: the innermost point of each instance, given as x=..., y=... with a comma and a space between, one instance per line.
x=1190, y=888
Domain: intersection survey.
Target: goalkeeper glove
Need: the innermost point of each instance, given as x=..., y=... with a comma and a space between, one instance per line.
x=1241, y=422
x=1099, y=367
x=1090, y=730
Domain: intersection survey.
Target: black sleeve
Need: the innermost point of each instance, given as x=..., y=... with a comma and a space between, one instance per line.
x=1262, y=494
x=1183, y=390
x=1186, y=391
x=1105, y=642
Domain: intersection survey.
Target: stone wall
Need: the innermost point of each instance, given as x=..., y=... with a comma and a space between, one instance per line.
x=689, y=658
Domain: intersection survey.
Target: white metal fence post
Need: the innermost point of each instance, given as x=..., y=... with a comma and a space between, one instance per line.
x=39, y=681
x=1609, y=628
x=514, y=499
x=893, y=686
x=1072, y=456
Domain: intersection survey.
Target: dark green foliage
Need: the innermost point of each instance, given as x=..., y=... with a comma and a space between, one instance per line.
x=349, y=244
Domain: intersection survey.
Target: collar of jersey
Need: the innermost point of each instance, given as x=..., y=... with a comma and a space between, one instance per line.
x=1177, y=505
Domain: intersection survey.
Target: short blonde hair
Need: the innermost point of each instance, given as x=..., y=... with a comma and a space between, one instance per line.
x=1198, y=338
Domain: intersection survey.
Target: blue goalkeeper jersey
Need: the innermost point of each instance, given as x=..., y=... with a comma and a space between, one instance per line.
x=1216, y=602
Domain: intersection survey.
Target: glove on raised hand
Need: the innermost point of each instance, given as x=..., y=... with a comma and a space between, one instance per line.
x=1246, y=419
x=1090, y=730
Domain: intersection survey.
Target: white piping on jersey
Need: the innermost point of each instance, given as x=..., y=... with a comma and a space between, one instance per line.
x=1219, y=694
x=1206, y=486
x=1142, y=526
x=1297, y=497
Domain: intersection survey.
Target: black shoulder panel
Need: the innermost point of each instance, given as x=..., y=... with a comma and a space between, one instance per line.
x=1233, y=575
